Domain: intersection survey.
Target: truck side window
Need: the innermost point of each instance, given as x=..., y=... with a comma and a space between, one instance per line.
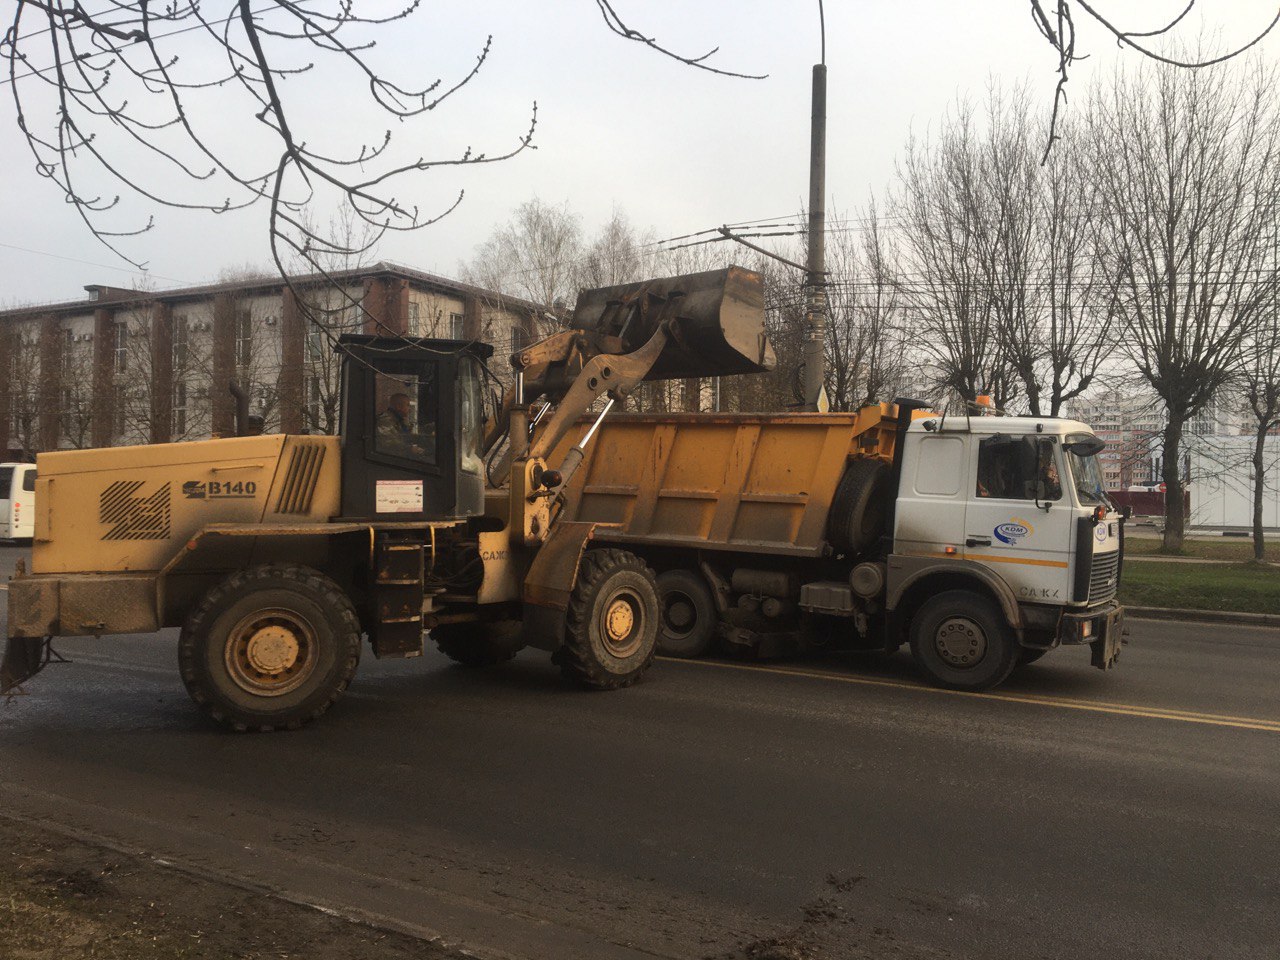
x=406, y=420
x=1011, y=468
x=29, y=480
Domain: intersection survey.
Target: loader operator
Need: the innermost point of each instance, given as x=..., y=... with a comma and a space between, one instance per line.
x=396, y=433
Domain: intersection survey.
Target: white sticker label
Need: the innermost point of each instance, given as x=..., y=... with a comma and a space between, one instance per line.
x=398, y=496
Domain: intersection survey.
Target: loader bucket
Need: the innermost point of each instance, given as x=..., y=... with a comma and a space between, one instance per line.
x=715, y=321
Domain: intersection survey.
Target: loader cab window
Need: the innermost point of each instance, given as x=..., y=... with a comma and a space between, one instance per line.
x=1018, y=468
x=470, y=417
x=407, y=407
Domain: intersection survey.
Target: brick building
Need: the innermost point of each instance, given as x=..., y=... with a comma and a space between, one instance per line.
x=130, y=366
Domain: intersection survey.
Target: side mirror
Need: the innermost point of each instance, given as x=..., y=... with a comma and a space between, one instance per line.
x=1126, y=511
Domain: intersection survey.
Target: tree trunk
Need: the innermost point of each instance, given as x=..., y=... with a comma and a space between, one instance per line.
x=1259, y=482
x=1175, y=518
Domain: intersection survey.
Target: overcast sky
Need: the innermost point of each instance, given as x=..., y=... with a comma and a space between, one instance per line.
x=677, y=149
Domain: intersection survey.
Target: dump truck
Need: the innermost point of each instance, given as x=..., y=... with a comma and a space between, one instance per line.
x=980, y=541
x=276, y=555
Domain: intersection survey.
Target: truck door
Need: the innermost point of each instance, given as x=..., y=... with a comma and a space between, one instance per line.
x=930, y=516
x=1018, y=521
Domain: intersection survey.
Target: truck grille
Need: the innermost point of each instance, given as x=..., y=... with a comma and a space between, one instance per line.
x=1102, y=578
x=300, y=479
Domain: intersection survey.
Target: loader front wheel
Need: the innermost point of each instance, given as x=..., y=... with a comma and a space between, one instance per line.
x=611, y=622
x=270, y=647
x=479, y=644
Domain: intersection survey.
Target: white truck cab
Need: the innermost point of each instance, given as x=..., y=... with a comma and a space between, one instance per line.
x=17, y=501
x=1003, y=517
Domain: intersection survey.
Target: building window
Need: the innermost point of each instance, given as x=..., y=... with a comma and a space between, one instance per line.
x=179, y=409
x=457, y=326
x=415, y=318
x=68, y=338
x=122, y=347
x=180, y=330
x=315, y=344
x=244, y=338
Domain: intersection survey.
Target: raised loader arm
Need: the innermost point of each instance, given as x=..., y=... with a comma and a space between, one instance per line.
x=695, y=325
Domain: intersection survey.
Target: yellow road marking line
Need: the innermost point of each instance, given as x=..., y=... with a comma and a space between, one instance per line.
x=1064, y=703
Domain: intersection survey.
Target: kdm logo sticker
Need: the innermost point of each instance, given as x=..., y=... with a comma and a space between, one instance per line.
x=1014, y=530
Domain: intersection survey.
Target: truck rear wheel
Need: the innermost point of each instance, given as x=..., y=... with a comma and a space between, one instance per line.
x=961, y=640
x=479, y=644
x=269, y=647
x=688, y=619
x=611, y=622
x=857, y=516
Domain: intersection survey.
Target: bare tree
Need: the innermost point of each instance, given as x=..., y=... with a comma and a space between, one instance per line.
x=1186, y=165
x=25, y=391
x=865, y=345
x=1056, y=22
x=103, y=98
x=949, y=231
x=1260, y=380
x=534, y=255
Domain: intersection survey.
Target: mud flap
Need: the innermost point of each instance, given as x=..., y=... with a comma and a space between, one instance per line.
x=1106, y=649
x=24, y=657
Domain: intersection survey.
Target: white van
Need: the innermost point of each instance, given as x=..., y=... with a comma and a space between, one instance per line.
x=17, y=501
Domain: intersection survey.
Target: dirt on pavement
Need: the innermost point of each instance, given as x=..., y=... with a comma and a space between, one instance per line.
x=65, y=899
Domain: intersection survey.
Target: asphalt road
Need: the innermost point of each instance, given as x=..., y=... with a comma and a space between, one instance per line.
x=826, y=808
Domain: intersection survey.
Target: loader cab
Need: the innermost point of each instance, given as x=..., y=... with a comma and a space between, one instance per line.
x=412, y=422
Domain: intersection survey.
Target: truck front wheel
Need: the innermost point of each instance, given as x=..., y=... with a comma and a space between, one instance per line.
x=270, y=647
x=961, y=640
x=611, y=622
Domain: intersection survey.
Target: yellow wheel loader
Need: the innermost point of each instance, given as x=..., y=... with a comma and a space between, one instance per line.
x=275, y=555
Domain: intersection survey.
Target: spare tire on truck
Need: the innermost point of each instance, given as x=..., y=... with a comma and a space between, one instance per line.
x=860, y=506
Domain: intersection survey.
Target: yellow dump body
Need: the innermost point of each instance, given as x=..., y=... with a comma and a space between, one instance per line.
x=132, y=509
x=752, y=482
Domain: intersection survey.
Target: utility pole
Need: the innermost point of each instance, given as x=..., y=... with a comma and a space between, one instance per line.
x=816, y=267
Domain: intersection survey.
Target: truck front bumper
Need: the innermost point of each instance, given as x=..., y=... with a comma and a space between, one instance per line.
x=1102, y=628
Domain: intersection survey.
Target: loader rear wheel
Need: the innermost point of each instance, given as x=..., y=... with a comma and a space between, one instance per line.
x=961, y=640
x=611, y=622
x=270, y=647
x=688, y=624
x=479, y=644
x=858, y=509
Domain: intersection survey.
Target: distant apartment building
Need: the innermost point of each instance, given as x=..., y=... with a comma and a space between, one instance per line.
x=129, y=366
x=1131, y=424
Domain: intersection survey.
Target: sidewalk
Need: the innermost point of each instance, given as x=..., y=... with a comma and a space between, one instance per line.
x=1203, y=616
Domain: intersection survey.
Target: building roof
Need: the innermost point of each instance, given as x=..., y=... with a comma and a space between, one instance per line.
x=101, y=295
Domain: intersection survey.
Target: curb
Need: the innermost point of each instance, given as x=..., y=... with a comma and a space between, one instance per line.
x=1204, y=616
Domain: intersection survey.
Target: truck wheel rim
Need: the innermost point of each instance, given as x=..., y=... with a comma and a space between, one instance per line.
x=622, y=623
x=679, y=615
x=270, y=652
x=960, y=642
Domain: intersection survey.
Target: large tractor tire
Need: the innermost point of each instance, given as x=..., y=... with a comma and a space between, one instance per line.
x=960, y=640
x=270, y=647
x=611, y=624
x=860, y=506
x=479, y=644
x=688, y=618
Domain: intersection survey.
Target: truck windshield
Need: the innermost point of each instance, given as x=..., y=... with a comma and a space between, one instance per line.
x=1086, y=475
